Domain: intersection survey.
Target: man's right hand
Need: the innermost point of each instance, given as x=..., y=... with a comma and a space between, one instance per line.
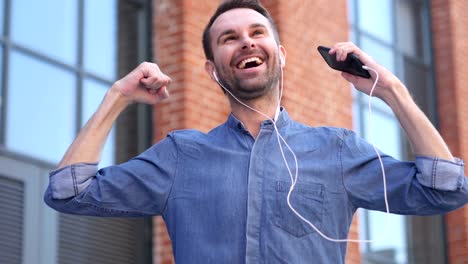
x=145, y=84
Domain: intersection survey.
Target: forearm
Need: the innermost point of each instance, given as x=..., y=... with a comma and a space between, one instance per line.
x=87, y=146
x=424, y=139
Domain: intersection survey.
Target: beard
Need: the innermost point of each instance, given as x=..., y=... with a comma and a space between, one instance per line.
x=246, y=91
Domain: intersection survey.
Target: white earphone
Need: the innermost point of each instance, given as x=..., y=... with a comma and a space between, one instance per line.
x=294, y=176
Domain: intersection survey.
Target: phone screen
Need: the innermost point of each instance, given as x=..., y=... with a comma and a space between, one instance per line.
x=351, y=65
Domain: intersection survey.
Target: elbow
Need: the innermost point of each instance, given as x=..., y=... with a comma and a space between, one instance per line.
x=56, y=204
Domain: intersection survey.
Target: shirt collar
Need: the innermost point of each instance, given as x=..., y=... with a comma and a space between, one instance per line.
x=283, y=120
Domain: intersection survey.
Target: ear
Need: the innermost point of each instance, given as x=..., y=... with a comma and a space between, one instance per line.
x=210, y=69
x=282, y=54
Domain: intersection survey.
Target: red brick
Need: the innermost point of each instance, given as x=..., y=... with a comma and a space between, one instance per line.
x=450, y=38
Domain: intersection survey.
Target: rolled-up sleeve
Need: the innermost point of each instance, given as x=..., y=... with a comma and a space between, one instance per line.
x=440, y=174
x=427, y=186
x=71, y=180
x=138, y=187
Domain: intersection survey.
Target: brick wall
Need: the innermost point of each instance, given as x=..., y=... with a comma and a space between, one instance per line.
x=312, y=93
x=450, y=40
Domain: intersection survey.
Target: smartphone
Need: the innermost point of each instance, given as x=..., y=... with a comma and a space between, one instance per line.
x=351, y=65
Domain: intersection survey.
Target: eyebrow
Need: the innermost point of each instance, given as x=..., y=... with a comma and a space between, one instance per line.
x=231, y=31
x=257, y=25
x=225, y=32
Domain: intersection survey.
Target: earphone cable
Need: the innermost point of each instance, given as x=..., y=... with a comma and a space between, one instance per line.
x=296, y=174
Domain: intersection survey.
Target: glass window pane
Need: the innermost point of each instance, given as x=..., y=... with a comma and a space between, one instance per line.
x=2, y=9
x=1, y=88
x=48, y=26
x=41, y=109
x=356, y=114
x=93, y=93
x=389, y=247
x=382, y=54
x=418, y=80
x=375, y=17
x=12, y=222
x=408, y=33
x=385, y=131
x=424, y=26
x=351, y=11
x=352, y=36
x=100, y=38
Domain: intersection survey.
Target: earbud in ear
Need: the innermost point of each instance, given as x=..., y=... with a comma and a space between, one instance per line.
x=215, y=76
x=281, y=58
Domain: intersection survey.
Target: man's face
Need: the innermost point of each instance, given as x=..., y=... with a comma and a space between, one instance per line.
x=245, y=53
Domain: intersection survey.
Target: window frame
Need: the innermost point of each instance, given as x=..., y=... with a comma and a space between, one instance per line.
x=41, y=235
x=77, y=69
x=429, y=107
x=37, y=217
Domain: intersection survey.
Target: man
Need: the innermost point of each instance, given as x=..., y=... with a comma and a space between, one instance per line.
x=224, y=194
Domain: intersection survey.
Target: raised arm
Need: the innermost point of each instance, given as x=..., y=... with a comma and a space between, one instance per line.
x=433, y=184
x=145, y=84
x=425, y=140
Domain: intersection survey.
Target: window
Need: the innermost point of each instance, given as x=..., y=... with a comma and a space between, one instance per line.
x=50, y=27
x=2, y=58
x=1, y=91
x=2, y=10
x=11, y=222
x=61, y=46
x=100, y=49
x=397, y=34
x=375, y=18
x=58, y=59
x=22, y=212
x=41, y=117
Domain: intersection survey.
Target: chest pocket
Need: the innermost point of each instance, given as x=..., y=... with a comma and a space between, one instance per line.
x=307, y=199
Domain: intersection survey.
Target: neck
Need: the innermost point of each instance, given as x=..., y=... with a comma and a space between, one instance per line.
x=266, y=104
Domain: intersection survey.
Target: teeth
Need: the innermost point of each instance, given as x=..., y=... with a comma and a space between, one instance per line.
x=253, y=59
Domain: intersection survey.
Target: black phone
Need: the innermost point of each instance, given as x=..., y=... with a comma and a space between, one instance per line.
x=352, y=64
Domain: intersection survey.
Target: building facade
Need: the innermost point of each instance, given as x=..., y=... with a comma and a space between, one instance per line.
x=59, y=57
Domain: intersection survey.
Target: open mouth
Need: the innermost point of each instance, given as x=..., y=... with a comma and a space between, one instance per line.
x=250, y=63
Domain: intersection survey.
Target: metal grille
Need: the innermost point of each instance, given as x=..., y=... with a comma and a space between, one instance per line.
x=11, y=220
x=97, y=240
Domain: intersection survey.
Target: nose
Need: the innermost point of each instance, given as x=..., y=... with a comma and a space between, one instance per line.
x=248, y=43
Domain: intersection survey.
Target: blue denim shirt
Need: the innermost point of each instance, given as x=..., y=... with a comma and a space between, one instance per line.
x=223, y=194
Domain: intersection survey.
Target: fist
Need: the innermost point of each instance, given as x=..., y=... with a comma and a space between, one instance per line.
x=145, y=84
